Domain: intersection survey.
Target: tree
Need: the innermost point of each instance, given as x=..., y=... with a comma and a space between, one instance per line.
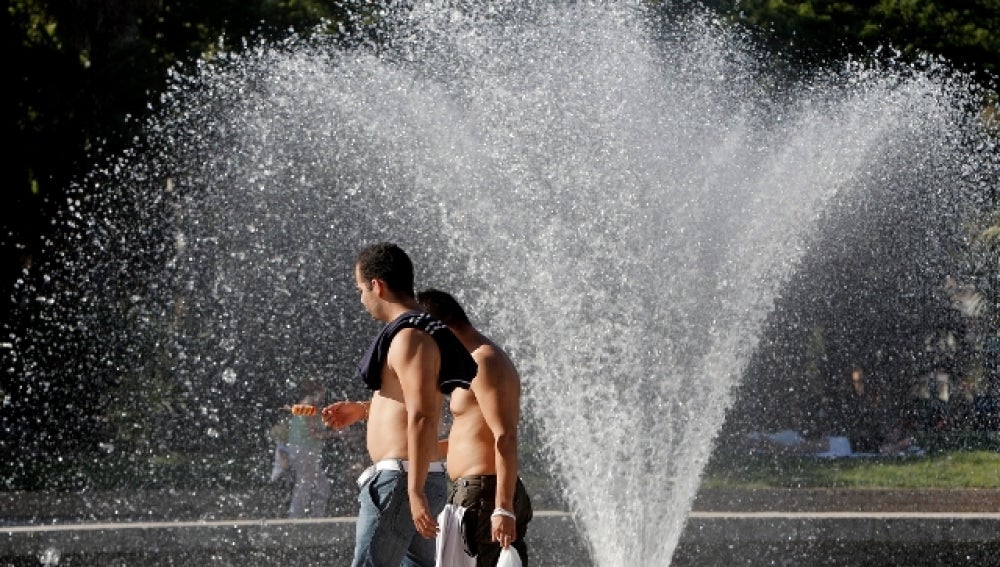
x=965, y=32
x=81, y=77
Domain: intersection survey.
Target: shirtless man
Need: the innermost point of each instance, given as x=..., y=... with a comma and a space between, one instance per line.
x=412, y=362
x=482, y=445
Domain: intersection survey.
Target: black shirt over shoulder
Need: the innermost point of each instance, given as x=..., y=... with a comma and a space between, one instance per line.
x=457, y=366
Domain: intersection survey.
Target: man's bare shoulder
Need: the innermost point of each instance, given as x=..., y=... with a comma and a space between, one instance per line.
x=494, y=362
x=410, y=338
x=413, y=350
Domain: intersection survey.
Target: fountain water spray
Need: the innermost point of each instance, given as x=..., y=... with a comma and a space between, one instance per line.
x=616, y=197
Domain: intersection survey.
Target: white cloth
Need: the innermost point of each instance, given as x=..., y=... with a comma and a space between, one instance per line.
x=398, y=464
x=839, y=447
x=450, y=551
x=509, y=558
x=394, y=465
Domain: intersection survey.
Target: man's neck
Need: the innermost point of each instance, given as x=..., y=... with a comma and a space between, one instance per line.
x=394, y=309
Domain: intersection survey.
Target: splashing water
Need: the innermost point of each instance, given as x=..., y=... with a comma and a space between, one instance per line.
x=616, y=198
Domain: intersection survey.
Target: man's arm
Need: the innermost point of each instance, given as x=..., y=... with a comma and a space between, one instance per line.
x=343, y=414
x=498, y=392
x=416, y=360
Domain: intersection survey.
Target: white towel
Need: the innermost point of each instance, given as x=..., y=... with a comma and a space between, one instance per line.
x=450, y=551
x=509, y=558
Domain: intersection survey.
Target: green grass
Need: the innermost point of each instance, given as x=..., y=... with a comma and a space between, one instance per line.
x=952, y=469
x=950, y=461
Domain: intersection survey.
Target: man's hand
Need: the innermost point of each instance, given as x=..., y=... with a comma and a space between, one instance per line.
x=339, y=415
x=504, y=530
x=426, y=524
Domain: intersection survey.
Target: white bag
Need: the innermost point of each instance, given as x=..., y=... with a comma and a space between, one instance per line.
x=509, y=558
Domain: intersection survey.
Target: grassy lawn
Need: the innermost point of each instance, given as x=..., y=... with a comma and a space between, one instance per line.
x=966, y=460
x=950, y=469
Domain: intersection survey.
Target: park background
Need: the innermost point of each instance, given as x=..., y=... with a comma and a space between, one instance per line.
x=919, y=323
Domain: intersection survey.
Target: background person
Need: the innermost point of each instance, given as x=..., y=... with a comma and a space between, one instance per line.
x=306, y=437
x=279, y=434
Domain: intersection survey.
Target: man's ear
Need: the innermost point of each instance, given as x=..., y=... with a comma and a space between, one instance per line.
x=378, y=288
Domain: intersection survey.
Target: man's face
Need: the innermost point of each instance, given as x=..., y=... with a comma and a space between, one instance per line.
x=367, y=294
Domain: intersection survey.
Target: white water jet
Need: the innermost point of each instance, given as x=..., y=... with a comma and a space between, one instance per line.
x=617, y=200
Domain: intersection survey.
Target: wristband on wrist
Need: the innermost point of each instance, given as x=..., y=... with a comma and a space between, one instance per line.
x=365, y=405
x=498, y=511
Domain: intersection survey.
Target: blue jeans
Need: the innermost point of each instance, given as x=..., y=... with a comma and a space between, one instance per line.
x=386, y=536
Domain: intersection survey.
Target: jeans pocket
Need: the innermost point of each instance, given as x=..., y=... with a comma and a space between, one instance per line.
x=394, y=504
x=365, y=476
x=392, y=528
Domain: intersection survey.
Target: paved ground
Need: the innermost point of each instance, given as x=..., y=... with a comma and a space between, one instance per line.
x=751, y=528
x=848, y=500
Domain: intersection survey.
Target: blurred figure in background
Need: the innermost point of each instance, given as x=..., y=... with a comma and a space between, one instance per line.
x=306, y=438
x=279, y=434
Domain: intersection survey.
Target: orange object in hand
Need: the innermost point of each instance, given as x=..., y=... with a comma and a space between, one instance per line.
x=303, y=409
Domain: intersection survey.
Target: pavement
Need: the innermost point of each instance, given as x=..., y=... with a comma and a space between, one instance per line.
x=725, y=527
x=939, y=500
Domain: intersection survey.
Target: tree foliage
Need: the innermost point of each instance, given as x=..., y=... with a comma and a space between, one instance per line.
x=81, y=75
x=964, y=32
x=77, y=71
x=871, y=311
x=80, y=72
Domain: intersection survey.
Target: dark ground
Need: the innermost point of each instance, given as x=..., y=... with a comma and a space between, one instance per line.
x=736, y=551
x=848, y=500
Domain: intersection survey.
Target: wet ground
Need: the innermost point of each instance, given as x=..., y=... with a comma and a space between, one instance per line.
x=848, y=500
x=729, y=528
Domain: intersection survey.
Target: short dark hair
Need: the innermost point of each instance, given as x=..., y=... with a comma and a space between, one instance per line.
x=387, y=262
x=443, y=306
